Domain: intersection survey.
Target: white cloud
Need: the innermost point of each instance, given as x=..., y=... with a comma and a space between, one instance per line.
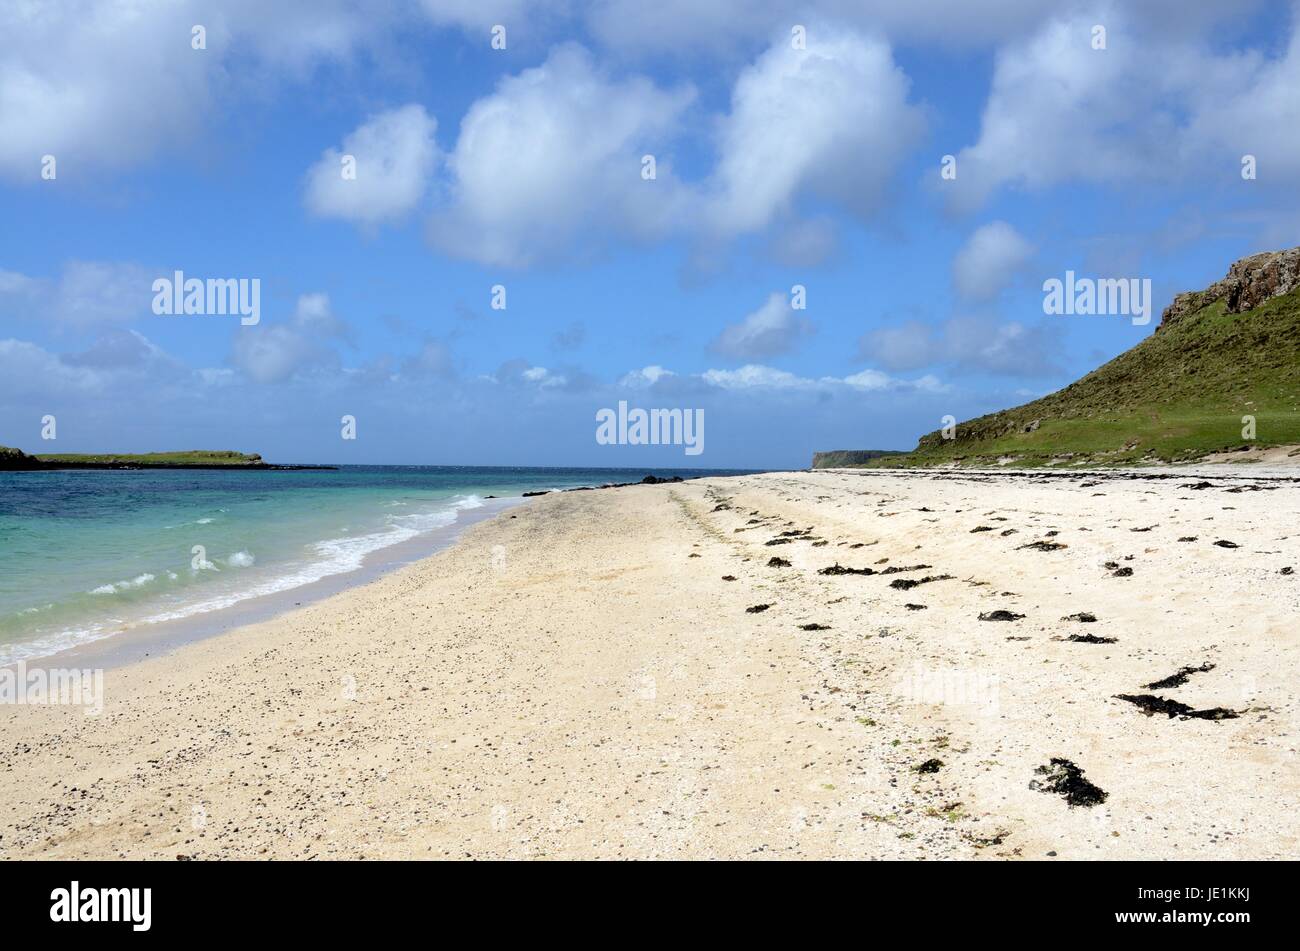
x=520, y=372
x=973, y=343
x=110, y=84
x=908, y=346
x=771, y=330
x=395, y=155
x=691, y=27
x=645, y=377
x=831, y=121
x=989, y=261
x=85, y=294
x=551, y=163
x=757, y=376
x=1157, y=104
x=274, y=353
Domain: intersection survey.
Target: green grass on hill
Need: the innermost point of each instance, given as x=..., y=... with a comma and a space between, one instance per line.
x=1178, y=395
x=193, y=457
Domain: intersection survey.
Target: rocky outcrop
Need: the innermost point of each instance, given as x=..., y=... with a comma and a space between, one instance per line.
x=1250, y=282
x=12, y=460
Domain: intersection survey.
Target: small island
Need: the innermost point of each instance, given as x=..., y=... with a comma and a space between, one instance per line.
x=15, y=460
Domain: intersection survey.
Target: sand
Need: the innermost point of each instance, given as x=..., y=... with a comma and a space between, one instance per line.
x=576, y=679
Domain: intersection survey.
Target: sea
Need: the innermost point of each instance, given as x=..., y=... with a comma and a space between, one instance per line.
x=88, y=554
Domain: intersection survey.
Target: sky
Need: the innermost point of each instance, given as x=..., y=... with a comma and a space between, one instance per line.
x=823, y=225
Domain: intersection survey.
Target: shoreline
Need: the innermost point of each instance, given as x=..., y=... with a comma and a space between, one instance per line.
x=142, y=640
x=590, y=679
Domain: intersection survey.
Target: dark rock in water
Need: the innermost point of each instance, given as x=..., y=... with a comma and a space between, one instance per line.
x=1151, y=705
x=728, y=577
x=1083, y=617
x=757, y=609
x=838, y=569
x=775, y=562
x=529, y=495
x=1065, y=779
x=1180, y=678
x=1000, y=615
x=814, y=627
x=1044, y=546
x=1226, y=544
x=915, y=607
x=906, y=584
x=1091, y=639
x=930, y=766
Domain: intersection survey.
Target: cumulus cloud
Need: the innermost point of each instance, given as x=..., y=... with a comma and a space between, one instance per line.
x=550, y=164
x=989, y=261
x=111, y=84
x=830, y=121
x=908, y=346
x=972, y=343
x=84, y=295
x=395, y=155
x=274, y=353
x=1156, y=104
x=773, y=329
x=757, y=376
x=434, y=359
x=645, y=377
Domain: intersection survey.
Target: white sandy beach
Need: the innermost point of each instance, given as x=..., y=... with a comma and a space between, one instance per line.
x=576, y=679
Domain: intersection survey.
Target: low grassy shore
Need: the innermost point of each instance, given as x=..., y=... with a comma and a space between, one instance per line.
x=842, y=663
x=16, y=460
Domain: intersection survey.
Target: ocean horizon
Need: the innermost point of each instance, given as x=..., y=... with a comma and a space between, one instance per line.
x=87, y=554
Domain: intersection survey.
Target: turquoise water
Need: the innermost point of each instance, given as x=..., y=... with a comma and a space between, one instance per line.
x=86, y=553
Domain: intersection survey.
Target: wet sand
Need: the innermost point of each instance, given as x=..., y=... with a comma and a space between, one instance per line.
x=579, y=678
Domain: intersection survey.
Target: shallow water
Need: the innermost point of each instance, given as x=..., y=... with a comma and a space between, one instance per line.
x=87, y=553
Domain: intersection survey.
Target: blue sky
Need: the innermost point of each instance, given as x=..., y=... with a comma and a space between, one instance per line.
x=522, y=167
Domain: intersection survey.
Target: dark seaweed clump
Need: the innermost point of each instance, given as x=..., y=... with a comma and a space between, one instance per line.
x=1066, y=780
x=757, y=609
x=1180, y=678
x=1091, y=639
x=775, y=562
x=1151, y=705
x=1083, y=617
x=838, y=569
x=814, y=627
x=1000, y=615
x=906, y=584
x=930, y=766
x=1045, y=546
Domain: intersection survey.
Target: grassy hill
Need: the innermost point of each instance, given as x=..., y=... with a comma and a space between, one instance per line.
x=192, y=457
x=13, y=460
x=1178, y=395
x=838, y=458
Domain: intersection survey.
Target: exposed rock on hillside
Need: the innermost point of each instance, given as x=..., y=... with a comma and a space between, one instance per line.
x=1249, y=283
